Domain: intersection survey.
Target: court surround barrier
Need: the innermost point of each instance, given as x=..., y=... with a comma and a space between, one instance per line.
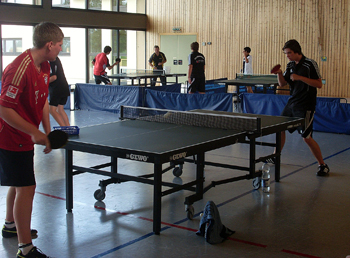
x=110, y=98
x=331, y=115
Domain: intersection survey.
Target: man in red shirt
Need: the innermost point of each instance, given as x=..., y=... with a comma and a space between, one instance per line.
x=23, y=106
x=100, y=64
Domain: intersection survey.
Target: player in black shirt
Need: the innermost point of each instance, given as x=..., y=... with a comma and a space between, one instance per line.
x=196, y=68
x=157, y=60
x=58, y=93
x=303, y=76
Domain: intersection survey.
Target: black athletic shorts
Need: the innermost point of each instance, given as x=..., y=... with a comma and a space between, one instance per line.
x=57, y=100
x=197, y=85
x=305, y=130
x=16, y=168
x=102, y=78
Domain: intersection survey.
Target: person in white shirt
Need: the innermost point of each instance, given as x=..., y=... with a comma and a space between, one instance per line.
x=247, y=65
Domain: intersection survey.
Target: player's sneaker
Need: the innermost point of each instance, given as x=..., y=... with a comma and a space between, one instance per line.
x=33, y=253
x=271, y=160
x=12, y=232
x=323, y=170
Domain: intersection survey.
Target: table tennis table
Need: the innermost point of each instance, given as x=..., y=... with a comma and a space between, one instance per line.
x=141, y=74
x=264, y=81
x=172, y=137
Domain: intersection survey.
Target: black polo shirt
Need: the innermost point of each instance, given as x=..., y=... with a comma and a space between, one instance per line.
x=60, y=86
x=303, y=96
x=156, y=59
x=197, y=61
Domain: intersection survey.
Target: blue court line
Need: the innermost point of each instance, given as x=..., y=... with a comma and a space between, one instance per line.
x=218, y=205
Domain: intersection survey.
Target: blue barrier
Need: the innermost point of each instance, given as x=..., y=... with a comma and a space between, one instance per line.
x=330, y=116
x=184, y=102
x=106, y=98
x=215, y=88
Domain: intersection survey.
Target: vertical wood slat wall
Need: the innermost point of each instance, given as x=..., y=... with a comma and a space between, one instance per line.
x=322, y=27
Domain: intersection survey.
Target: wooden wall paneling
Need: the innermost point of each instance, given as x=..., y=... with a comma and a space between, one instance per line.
x=321, y=27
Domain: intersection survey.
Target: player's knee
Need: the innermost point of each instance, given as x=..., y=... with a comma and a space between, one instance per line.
x=26, y=191
x=307, y=140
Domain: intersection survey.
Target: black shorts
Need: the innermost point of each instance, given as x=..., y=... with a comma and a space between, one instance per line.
x=197, y=85
x=58, y=100
x=16, y=168
x=305, y=130
x=102, y=78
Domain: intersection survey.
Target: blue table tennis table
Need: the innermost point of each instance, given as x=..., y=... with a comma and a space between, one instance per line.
x=172, y=143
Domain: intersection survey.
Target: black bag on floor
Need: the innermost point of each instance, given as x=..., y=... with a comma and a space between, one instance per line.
x=211, y=227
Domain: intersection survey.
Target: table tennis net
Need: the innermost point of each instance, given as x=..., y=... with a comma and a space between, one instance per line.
x=192, y=118
x=255, y=76
x=140, y=71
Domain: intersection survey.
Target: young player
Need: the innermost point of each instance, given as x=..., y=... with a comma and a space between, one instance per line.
x=23, y=106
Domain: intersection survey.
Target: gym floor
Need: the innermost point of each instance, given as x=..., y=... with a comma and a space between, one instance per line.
x=303, y=215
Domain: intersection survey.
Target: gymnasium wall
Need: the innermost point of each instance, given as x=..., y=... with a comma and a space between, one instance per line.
x=322, y=27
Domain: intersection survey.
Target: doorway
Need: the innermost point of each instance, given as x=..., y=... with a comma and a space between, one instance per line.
x=177, y=49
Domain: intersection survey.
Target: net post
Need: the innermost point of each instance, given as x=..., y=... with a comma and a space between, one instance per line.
x=121, y=115
x=258, y=125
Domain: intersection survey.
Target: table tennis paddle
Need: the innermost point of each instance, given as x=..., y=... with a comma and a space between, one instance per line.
x=57, y=139
x=117, y=59
x=275, y=68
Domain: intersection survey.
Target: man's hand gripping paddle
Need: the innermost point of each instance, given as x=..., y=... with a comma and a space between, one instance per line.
x=275, y=68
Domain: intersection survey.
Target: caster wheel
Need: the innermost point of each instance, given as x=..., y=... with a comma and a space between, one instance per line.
x=257, y=183
x=99, y=195
x=190, y=211
x=178, y=171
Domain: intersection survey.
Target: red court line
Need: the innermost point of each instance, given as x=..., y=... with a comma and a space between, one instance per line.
x=52, y=196
x=300, y=254
x=186, y=228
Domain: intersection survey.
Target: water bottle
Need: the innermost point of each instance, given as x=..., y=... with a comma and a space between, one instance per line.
x=265, y=178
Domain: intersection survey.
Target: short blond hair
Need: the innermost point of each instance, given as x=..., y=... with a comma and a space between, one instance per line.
x=45, y=32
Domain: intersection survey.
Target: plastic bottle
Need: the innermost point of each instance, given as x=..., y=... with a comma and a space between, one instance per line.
x=265, y=178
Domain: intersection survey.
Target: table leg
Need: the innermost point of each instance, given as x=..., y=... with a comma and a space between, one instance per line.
x=69, y=180
x=252, y=156
x=200, y=175
x=278, y=157
x=157, y=198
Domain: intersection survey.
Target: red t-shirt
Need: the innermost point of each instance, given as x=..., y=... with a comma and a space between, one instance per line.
x=101, y=62
x=25, y=90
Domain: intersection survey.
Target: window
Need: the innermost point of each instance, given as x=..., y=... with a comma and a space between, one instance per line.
x=11, y=47
x=30, y=2
x=65, y=47
x=61, y=3
x=125, y=6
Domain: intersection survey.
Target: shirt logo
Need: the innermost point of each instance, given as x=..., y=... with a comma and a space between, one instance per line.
x=12, y=92
x=46, y=78
x=36, y=96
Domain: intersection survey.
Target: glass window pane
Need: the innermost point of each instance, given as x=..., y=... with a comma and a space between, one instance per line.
x=65, y=46
x=18, y=43
x=66, y=3
x=9, y=46
x=30, y=2
x=73, y=59
x=15, y=39
x=132, y=6
x=95, y=4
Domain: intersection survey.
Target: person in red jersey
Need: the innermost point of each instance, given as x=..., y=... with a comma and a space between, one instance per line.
x=23, y=106
x=100, y=63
